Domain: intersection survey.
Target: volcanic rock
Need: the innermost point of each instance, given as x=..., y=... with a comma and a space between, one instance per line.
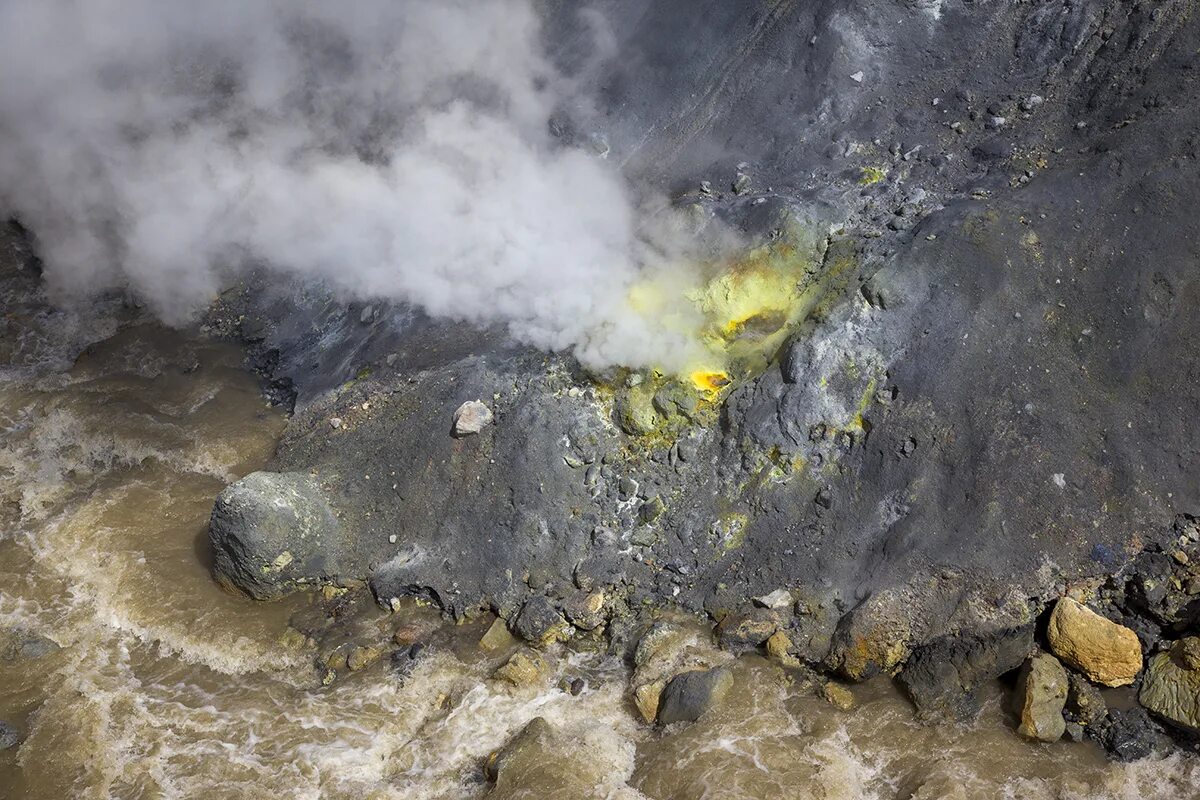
x=1040, y=697
x=539, y=622
x=1107, y=653
x=523, y=668
x=273, y=532
x=471, y=417
x=689, y=695
x=944, y=678
x=9, y=736
x=1085, y=704
x=1171, y=686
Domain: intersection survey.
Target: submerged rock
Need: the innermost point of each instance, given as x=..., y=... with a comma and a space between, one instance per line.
x=1107, y=653
x=9, y=736
x=1171, y=686
x=689, y=695
x=1040, y=697
x=523, y=668
x=272, y=533
x=496, y=637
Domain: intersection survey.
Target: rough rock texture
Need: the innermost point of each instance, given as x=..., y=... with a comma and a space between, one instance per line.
x=9, y=736
x=1107, y=653
x=471, y=417
x=689, y=695
x=944, y=677
x=990, y=396
x=1040, y=697
x=1171, y=688
x=272, y=533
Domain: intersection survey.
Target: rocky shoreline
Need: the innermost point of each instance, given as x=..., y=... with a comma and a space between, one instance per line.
x=967, y=456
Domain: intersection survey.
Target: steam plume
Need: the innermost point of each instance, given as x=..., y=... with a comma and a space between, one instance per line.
x=395, y=149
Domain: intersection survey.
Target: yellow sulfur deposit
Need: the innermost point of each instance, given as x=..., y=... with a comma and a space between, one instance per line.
x=709, y=382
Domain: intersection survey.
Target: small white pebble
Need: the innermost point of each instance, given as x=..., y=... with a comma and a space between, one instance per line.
x=1060, y=480
x=335, y=422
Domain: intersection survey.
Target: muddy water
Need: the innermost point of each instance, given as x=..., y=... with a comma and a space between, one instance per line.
x=130, y=674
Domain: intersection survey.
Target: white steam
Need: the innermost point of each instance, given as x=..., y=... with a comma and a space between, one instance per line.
x=396, y=149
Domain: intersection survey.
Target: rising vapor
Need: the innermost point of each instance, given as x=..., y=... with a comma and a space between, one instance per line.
x=394, y=149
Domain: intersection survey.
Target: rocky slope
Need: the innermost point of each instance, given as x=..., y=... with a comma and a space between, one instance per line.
x=987, y=399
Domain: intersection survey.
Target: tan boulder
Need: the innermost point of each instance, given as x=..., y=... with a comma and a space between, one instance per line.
x=524, y=668
x=1107, y=653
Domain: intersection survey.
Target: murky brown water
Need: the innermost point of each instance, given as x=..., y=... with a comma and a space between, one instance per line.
x=132, y=675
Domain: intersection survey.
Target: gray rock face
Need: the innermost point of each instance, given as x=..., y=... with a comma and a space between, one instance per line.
x=943, y=678
x=272, y=533
x=1040, y=697
x=689, y=695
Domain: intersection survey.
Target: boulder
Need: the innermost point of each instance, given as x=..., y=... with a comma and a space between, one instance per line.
x=943, y=678
x=273, y=533
x=526, y=746
x=1171, y=686
x=837, y=695
x=523, y=668
x=1040, y=697
x=362, y=657
x=1132, y=735
x=689, y=695
x=539, y=622
x=585, y=610
x=1107, y=653
x=496, y=637
x=471, y=417
x=739, y=632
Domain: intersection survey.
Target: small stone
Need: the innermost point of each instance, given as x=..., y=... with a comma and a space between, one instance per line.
x=1085, y=704
x=362, y=657
x=780, y=598
x=539, y=623
x=497, y=637
x=335, y=422
x=408, y=633
x=857, y=77
x=837, y=695
x=1040, y=698
x=9, y=736
x=366, y=314
x=689, y=695
x=1107, y=653
x=471, y=418
x=585, y=611
x=651, y=510
x=778, y=645
x=524, y=668
x=646, y=697
x=746, y=631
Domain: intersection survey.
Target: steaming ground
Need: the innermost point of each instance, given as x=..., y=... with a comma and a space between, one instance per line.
x=133, y=675
x=394, y=150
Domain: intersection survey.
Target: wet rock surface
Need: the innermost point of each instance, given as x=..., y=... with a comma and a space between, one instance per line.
x=990, y=399
x=1040, y=697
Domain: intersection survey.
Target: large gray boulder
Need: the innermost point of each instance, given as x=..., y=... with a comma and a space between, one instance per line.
x=272, y=533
